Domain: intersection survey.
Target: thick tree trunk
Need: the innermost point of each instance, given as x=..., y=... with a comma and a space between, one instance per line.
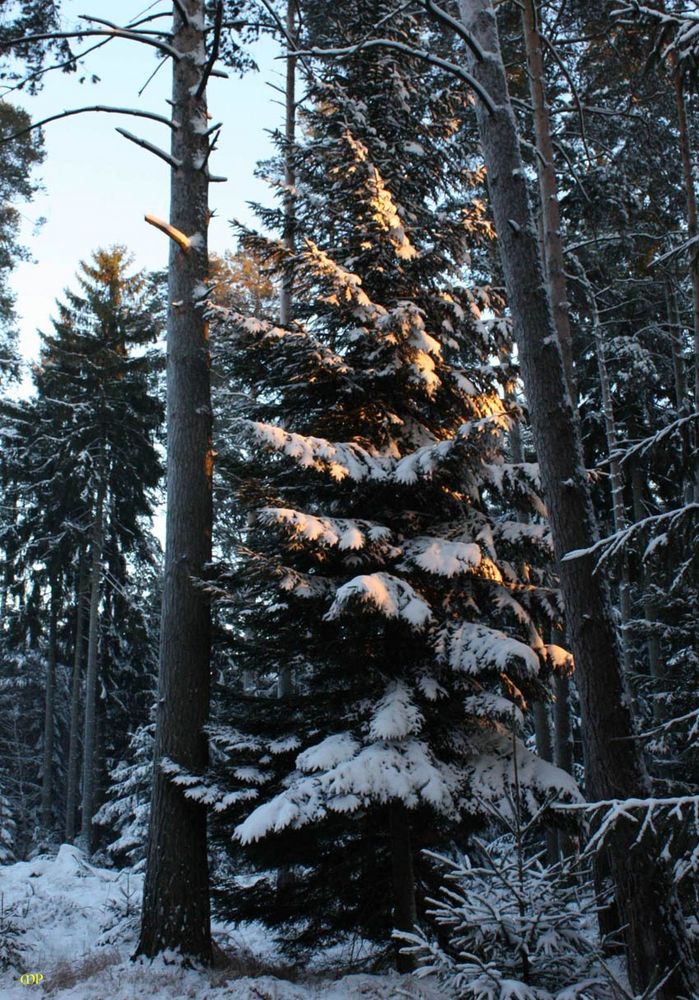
x=403, y=879
x=96, y=546
x=75, y=684
x=49, y=713
x=176, y=908
x=613, y=764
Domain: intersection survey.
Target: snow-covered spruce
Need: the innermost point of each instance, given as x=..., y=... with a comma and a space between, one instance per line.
x=383, y=561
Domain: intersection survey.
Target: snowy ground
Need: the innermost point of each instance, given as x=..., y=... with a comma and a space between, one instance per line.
x=77, y=923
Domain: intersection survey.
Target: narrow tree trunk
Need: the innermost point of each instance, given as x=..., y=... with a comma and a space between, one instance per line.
x=285, y=298
x=285, y=681
x=692, y=232
x=680, y=379
x=656, y=665
x=96, y=546
x=403, y=878
x=544, y=748
x=613, y=763
x=176, y=907
x=49, y=714
x=75, y=684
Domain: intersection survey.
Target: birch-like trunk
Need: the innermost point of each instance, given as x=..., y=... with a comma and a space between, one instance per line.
x=75, y=685
x=96, y=547
x=176, y=907
x=614, y=766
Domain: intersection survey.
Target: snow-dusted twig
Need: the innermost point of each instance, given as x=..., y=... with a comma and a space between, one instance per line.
x=151, y=147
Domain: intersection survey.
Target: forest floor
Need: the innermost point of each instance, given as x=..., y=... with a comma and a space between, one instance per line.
x=74, y=924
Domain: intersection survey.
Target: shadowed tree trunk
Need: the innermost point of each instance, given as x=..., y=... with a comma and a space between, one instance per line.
x=614, y=766
x=75, y=684
x=403, y=878
x=96, y=547
x=49, y=713
x=176, y=908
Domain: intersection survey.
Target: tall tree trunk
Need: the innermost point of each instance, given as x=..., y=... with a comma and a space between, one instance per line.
x=176, y=907
x=403, y=879
x=285, y=681
x=96, y=546
x=692, y=233
x=49, y=713
x=285, y=298
x=75, y=684
x=613, y=762
x=656, y=665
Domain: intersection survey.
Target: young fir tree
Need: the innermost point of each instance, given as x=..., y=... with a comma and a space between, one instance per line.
x=381, y=561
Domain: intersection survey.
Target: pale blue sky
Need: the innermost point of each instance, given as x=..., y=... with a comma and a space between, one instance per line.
x=98, y=186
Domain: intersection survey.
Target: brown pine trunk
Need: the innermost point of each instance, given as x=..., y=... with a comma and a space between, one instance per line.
x=75, y=684
x=403, y=879
x=613, y=764
x=176, y=908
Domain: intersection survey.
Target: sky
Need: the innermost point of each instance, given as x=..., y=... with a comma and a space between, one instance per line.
x=97, y=186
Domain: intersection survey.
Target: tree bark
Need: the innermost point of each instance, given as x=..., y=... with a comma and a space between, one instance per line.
x=656, y=665
x=75, y=684
x=613, y=763
x=96, y=546
x=692, y=233
x=176, y=907
x=49, y=713
x=285, y=681
x=403, y=879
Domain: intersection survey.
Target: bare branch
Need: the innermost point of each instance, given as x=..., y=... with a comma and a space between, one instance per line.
x=441, y=15
x=94, y=33
x=151, y=115
x=428, y=57
x=156, y=150
x=215, y=46
x=182, y=241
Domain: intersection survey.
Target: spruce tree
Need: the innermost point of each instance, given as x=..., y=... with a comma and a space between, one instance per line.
x=381, y=557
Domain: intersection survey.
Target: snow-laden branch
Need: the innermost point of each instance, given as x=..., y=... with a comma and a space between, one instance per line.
x=422, y=54
x=612, y=544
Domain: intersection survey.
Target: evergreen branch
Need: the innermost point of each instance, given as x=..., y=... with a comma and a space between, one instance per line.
x=107, y=109
x=175, y=164
x=422, y=54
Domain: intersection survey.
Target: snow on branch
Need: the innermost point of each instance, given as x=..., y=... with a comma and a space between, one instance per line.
x=612, y=545
x=387, y=594
x=102, y=108
x=645, y=813
x=474, y=649
x=422, y=54
x=341, y=533
x=443, y=557
x=348, y=776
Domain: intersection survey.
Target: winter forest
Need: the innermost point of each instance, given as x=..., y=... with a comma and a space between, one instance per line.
x=349, y=643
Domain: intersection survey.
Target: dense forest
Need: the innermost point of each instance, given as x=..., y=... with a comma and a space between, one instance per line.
x=409, y=694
